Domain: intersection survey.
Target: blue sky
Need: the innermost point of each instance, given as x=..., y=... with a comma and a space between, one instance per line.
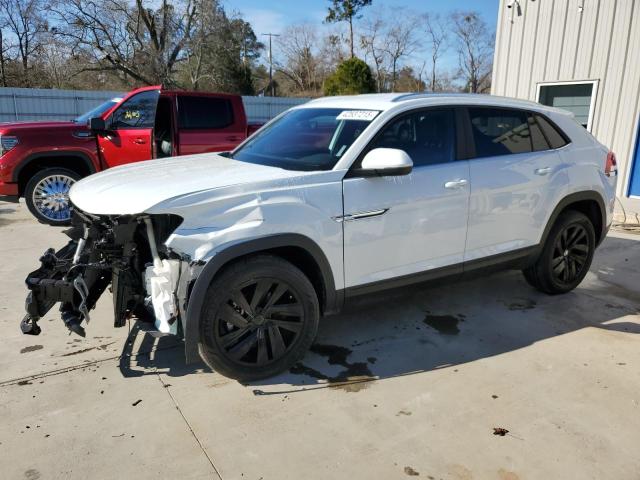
x=274, y=15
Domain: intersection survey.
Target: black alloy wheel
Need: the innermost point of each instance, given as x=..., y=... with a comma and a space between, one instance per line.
x=259, y=318
x=259, y=322
x=570, y=254
x=566, y=255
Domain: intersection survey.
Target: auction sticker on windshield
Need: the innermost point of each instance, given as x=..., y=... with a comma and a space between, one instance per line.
x=366, y=115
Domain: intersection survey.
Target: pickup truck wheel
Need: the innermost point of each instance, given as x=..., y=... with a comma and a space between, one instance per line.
x=259, y=318
x=566, y=255
x=47, y=195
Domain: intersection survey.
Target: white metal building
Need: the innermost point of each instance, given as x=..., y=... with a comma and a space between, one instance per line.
x=583, y=56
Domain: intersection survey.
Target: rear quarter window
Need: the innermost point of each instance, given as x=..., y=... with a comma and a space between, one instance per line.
x=204, y=113
x=554, y=137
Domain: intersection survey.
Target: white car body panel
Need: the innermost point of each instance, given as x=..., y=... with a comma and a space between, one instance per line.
x=510, y=203
x=423, y=228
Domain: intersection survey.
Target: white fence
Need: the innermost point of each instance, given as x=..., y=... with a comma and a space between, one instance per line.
x=41, y=104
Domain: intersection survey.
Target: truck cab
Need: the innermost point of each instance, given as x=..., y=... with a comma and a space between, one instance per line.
x=41, y=160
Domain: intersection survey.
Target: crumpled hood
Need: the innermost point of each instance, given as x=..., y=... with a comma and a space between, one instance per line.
x=137, y=187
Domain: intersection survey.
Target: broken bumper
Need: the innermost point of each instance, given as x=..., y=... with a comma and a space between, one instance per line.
x=124, y=252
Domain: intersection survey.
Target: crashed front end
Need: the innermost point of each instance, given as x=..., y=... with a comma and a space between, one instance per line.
x=148, y=280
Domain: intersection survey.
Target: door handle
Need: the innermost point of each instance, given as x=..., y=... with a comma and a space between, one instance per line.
x=139, y=141
x=456, y=184
x=542, y=171
x=233, y=138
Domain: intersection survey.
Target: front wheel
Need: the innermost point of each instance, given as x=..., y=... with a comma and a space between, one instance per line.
x=566, y=255
x=259, y=318
x=47, y=195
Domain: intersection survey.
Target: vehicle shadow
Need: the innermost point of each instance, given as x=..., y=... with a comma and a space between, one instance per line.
x=423, y=328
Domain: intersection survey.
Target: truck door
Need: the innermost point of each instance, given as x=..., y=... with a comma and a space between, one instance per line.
x=129, y=134
x=209, y=124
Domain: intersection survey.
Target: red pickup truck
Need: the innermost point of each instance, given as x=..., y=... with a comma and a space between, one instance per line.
x=41, y=160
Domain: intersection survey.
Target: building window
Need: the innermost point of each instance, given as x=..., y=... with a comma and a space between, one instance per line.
x=577, y=97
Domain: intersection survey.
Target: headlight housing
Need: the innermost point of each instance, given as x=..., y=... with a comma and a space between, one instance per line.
x=7, y=142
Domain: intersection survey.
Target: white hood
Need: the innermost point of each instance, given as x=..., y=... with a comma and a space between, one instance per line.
x=137, y=187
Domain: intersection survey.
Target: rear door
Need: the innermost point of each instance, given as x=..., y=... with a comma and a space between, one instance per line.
x=129, y=136
x=412, y=224
x=208, y=124
x=516, y=180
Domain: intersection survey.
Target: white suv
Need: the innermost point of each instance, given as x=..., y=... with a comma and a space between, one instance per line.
x=241, y=253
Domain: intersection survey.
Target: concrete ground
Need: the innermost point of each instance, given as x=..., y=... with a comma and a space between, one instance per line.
x=406, y=384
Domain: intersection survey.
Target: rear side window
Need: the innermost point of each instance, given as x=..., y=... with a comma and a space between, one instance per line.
x=498, y=131
x=204, y=113
x=551, y=133
x=428, y=136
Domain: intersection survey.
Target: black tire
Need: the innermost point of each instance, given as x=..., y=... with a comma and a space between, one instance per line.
x=566, y=255
x=246, y=332
x=60, y=179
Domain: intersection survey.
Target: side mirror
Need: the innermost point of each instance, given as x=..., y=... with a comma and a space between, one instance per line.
x=385, y=162
x=97, y=124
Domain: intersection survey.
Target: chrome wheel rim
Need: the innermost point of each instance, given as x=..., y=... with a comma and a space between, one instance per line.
x=51, y=197
x=260, y=322
x=570, y=254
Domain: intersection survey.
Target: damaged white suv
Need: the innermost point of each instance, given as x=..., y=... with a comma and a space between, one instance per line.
x=242, y=253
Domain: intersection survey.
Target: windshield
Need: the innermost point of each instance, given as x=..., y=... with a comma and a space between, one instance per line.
x=98, y=111
x=306, y=139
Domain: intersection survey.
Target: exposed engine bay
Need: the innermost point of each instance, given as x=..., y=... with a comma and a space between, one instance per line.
x=126, y=252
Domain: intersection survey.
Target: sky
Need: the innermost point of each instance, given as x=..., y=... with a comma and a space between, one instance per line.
x=273, y=15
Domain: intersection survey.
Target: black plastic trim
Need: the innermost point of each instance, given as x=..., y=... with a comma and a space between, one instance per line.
x=574, y=198
x=57, y=154
x=520, y=258
x=403, y=281
x=333, y=299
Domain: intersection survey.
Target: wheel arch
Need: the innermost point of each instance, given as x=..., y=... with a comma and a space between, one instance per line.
x=80, y=163
x=298, y=249
x=589, y=203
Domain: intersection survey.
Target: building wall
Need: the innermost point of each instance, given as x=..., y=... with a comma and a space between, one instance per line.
x=42, y=104
x=574, y=40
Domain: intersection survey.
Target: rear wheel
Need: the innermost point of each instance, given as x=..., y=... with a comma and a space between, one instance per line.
x=260, y=317
x=566, y=255
x=47, y=195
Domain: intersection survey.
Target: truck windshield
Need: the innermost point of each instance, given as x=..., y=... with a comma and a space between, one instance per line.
x=306, y=139
x=99, y=110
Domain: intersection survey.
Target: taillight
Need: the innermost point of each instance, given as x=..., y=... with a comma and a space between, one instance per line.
x=611, y=165
x=7, y=143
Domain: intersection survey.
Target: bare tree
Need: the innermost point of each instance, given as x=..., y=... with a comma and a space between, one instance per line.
x=301, y=64
x=3, y=57
x=374, y=44
x=437, y=34
x=25, y=23
x=132, y=38
x=401, y=42
x=474, y=43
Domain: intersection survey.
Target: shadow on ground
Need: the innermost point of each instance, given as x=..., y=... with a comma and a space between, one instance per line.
x=423, y=328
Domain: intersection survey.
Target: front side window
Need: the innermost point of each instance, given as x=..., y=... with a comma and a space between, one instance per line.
x=306, y=139
x=97, y=111
x=427, y=136
x=498, y=131
x=138, y=111
x=204, y=113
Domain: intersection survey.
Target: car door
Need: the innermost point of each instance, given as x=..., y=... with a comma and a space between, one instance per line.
x=406, y=225
x=516, y=180
x=129, y=135
x=208, y=124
